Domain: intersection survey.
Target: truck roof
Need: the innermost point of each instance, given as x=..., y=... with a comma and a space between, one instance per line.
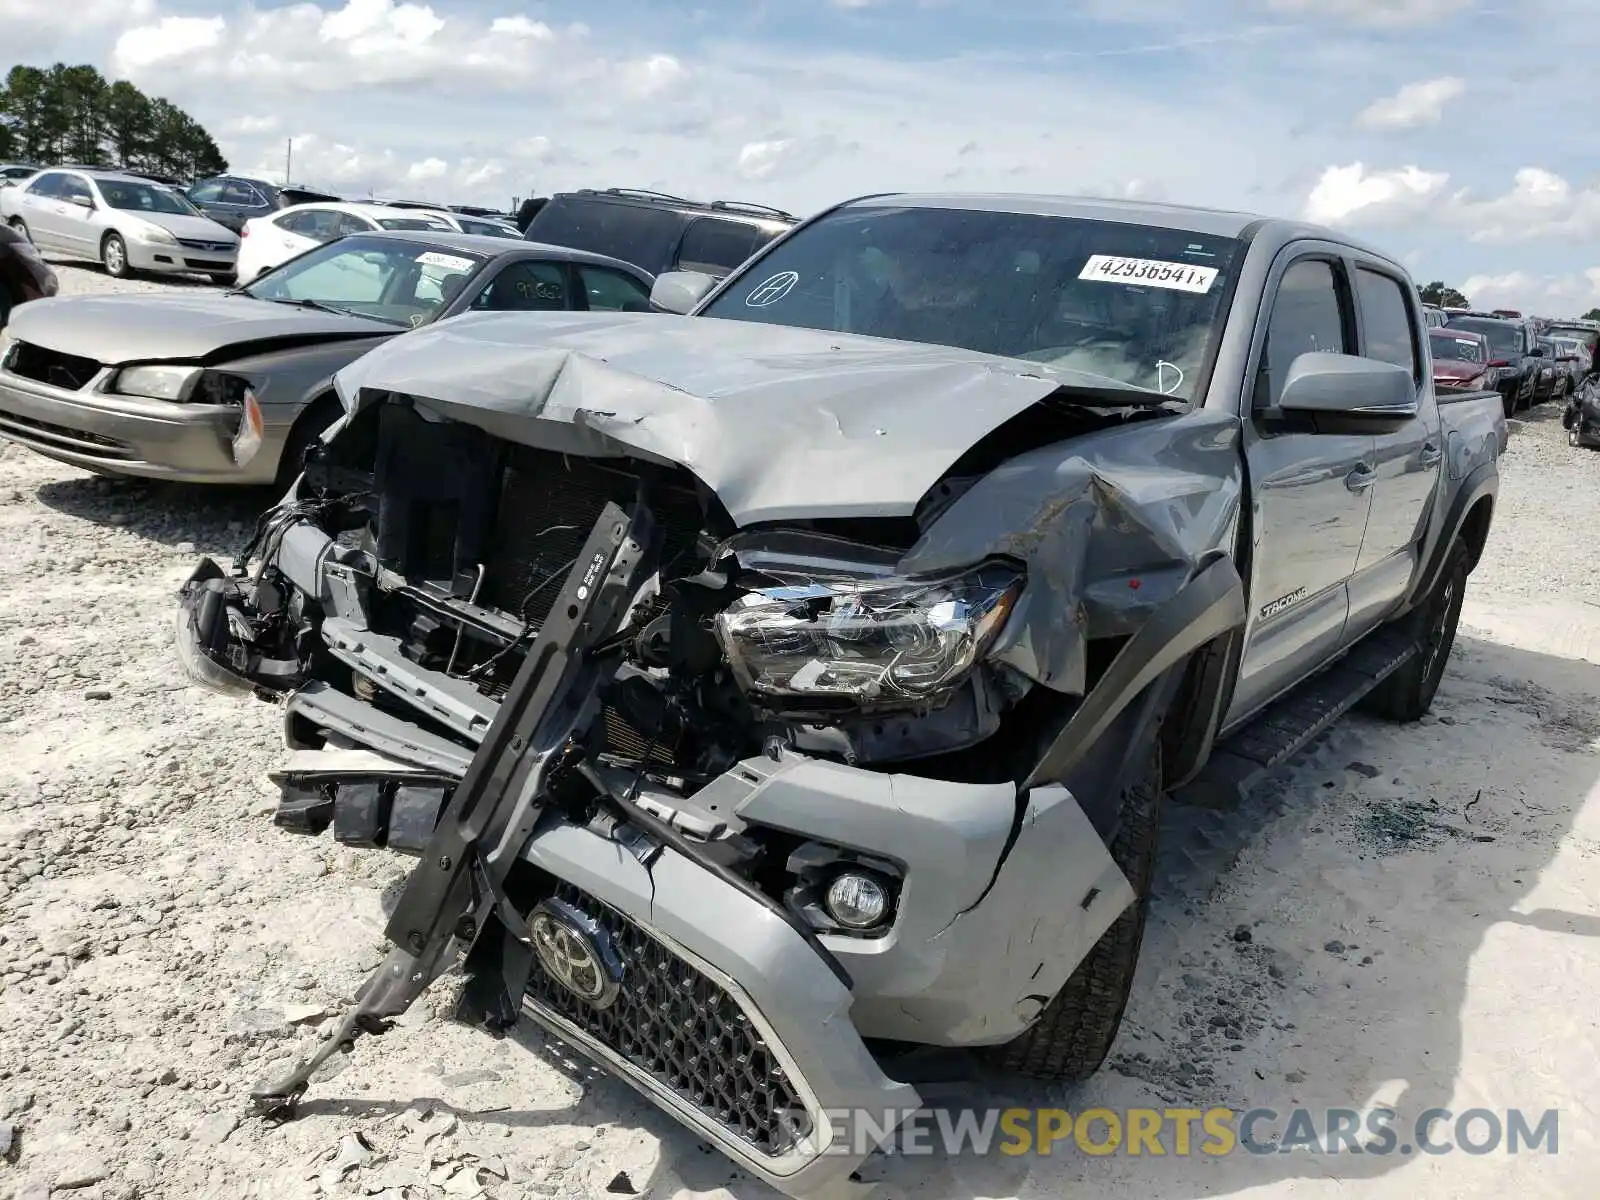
x=1217, y=222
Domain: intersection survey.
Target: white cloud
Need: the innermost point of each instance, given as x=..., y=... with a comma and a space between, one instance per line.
x=35, y=27
x=427, y=170
x=1381, y=13
x=1567, y=295
x=372, y=43
x=1414, y=104
x=779, y=157
x=248, y=125
x=1541, y=205
x=148, y=46
x=1374, y=197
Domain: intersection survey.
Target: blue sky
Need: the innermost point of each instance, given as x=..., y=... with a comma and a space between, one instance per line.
x=1453, y=132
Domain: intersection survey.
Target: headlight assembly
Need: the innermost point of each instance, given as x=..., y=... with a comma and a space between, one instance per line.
x=156, y=235
x=158, y=383
x=873, y=639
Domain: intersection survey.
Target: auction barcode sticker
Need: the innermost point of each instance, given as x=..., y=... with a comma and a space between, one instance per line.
x=1152, y=272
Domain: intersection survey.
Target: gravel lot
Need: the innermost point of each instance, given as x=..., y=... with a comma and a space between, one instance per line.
x=1410, y=918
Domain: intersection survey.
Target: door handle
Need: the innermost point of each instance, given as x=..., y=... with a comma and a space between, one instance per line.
x=1431, y=455
x=1360, y=479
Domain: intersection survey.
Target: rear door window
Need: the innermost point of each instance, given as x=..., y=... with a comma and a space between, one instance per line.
x=46, y=185
x=635, y=233
x=1386, y=321
x=209, y=192
x=236, y=192
x=716, y=246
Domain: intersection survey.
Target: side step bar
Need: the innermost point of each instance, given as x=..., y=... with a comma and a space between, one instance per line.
x=1243, y=759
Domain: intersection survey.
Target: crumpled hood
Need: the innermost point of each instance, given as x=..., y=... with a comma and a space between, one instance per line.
x=1456, y=369
x=780, y=423
x=174, y=328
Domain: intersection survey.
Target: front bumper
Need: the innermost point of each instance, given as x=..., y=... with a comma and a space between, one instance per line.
x=128, y=435
x=166, y=258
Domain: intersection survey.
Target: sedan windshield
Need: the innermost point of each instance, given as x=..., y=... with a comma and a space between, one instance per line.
x=145, y=198
x=401, y=282
x=1504, y=340
x=1135, y=305
x=1456, y=349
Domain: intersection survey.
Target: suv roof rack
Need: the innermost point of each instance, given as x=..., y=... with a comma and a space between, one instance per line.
x=638, y=194
x=745, y=206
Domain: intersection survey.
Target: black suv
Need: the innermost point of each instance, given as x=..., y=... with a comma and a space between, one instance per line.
x=232, y=200
x=1514, y=354
x=656, y=231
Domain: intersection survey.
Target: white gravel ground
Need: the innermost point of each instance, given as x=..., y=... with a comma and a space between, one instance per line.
x=1410, y=919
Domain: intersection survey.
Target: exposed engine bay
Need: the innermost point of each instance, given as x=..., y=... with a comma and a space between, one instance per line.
x=805, y=761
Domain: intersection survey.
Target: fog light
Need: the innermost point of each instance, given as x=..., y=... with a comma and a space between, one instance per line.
x=857, y=901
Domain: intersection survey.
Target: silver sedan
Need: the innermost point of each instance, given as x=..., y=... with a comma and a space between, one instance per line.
x=127, y=223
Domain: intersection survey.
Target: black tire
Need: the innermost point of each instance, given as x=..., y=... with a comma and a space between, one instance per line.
x=1574, y=438
x=1076, y=1030
x=114, y=256
x=21, y=226
x=1508, y=403
x=5, y=306
x=1407, y=695
x=224, y=278
x=308, y=427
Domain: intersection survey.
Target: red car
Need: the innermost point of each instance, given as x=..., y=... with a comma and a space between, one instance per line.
x=1460, y=360
x=23, y=274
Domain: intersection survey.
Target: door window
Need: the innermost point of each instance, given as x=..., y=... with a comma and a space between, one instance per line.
x=348, y=223
x=243, y=194
x=209, y=192
x=317, y=223
x=74, y=188
x=1309, y=313
x=525, y=287
x=612, y=291
x=1386, y=321
x=716, y=246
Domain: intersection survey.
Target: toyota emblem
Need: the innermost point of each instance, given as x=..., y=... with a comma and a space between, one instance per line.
x=576, y=952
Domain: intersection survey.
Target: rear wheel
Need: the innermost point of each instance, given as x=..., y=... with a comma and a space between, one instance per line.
x=114, y=256
x=1076, y=1031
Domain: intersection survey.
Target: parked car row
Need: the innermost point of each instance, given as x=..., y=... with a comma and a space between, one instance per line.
x=1528, y=360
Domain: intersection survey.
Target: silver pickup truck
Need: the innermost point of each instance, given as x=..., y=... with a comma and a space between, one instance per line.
x=776, y=686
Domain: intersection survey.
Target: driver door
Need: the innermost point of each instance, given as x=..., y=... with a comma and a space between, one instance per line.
x=1311, y=488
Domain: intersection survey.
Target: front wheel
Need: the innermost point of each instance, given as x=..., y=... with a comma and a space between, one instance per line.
x=114, y=256
x=1075, y=1032
x=1408, y=693
x=20, y=226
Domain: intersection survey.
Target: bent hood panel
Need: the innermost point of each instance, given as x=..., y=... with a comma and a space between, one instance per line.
x=780, y=423
x=173, y=328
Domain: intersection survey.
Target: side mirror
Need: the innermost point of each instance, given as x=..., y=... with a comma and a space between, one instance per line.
x=1346, y=385
x=81, y=201
x=679, y=291
x=1536, y=352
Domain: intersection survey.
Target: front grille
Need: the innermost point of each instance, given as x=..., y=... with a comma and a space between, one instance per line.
x=675, y=1024
x=51, y=366
x=212, y=247
x=60, y=437
x=548, y=506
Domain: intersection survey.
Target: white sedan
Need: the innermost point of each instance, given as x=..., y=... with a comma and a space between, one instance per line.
x=290, y=232
x=124, y=222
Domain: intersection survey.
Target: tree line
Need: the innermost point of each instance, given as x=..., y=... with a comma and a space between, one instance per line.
x=73, y=114
x=1447, y=297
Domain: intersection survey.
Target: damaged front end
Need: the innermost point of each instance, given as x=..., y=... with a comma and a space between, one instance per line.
x=741, y=812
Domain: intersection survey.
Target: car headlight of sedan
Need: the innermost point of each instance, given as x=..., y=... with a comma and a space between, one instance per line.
x=157, y=383
x=869, y=638
x=156, y=235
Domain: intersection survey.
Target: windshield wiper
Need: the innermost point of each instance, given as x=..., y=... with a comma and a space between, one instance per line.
x=316, y=304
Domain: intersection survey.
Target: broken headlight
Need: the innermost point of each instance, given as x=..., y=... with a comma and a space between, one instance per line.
x=875, y=638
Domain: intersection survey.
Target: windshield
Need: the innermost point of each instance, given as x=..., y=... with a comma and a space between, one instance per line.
x=1504, y=340
x=1456, y=349
x=145, y=198
x=1133, y=304
x=401, y=282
